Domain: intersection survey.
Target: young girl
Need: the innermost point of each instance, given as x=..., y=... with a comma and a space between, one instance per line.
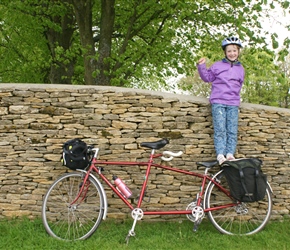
x=227, y=77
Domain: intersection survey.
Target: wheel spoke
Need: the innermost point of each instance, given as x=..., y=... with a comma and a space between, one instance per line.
x=242, y=219
x=67, y=221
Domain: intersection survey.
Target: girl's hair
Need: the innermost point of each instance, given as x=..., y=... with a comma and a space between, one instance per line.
x=237, y=46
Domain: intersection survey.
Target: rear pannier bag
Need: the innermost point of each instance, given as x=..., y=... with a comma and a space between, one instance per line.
x=246, y=180
x=75, y=154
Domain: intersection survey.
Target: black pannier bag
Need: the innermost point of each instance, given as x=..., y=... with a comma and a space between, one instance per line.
x=246, y=180
x=75, y=154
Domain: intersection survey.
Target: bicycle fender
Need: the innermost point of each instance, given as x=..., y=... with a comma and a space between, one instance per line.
x=271, y=190
x=208, y=185
x=102, y=190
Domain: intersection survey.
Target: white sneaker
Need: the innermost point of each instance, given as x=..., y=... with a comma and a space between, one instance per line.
x=230, y=157
x=221, y=158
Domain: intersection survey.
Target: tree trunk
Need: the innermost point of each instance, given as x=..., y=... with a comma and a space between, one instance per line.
x=105, y=42
x=83, y=12
x=60, y=72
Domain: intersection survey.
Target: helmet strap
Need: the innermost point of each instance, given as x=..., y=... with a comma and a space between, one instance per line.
x=235, y=61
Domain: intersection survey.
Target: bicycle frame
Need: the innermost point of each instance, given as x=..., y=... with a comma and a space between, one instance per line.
x=80, y=218
x=205, y=178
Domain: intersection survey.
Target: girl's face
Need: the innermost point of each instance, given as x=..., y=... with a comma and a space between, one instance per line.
x=232, y=52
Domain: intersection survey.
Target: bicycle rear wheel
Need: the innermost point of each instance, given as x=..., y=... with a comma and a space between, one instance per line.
x=77, y=221
x=245, y=218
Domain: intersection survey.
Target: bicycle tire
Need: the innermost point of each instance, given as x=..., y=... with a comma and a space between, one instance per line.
x=76, y=222
x=246, y=218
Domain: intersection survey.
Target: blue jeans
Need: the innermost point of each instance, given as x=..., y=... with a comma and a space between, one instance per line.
x=225, y=123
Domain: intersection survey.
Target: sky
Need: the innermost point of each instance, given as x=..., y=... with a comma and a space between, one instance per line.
x=276, y=24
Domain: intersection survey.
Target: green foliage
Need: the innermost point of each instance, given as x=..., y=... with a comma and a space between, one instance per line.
x=265, y=82
x=151, y=41
x=22, y=50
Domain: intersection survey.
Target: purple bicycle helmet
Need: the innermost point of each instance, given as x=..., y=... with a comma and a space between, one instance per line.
x=231, y=40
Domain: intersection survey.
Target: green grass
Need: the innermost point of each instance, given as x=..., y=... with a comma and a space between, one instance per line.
x=25, y=234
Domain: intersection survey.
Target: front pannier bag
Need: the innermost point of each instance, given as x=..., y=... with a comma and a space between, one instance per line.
x=246, y=180
x=75, y=155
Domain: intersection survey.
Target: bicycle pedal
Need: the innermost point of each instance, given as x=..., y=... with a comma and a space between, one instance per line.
x=195, y=225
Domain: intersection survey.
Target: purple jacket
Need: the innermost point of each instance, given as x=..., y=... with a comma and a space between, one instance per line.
x=227, y=79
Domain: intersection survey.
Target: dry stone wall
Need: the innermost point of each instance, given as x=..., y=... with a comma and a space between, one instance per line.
x=37, y=119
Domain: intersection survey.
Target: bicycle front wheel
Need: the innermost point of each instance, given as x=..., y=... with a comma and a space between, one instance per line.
x=65, y=220
x=244, y=218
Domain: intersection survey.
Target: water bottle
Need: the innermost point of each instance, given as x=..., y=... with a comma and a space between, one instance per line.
x=122, y=187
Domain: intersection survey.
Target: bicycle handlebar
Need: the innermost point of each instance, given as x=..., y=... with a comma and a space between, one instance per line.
x=167, y=155
x=95, y=150
x=171, y=155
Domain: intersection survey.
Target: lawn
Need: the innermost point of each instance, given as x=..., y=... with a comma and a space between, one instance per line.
x=26, y=234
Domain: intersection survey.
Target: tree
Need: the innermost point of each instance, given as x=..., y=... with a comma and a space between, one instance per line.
x=83, y=12
x=23, y=51
x=59, y=33
x=38, y=42
x=119, y=42
x=284, y=80
x=260, y=73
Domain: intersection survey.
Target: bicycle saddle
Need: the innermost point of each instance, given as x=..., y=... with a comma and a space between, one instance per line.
x=155, y=145
x=207, y=164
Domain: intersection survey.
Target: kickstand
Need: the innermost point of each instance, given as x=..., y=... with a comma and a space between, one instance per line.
x=131, y=233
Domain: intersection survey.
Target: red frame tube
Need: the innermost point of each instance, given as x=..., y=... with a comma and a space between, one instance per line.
x=149, y=164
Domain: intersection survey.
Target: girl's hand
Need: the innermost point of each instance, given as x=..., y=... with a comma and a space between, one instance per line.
x=201, y=60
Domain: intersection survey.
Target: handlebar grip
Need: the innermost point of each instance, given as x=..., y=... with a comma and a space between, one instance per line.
x=171, y=155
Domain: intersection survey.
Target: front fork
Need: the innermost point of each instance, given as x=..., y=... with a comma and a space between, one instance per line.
x=102, y=191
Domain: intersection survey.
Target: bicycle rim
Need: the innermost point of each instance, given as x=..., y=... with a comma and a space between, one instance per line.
x=242, y=219
x=77, y=221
